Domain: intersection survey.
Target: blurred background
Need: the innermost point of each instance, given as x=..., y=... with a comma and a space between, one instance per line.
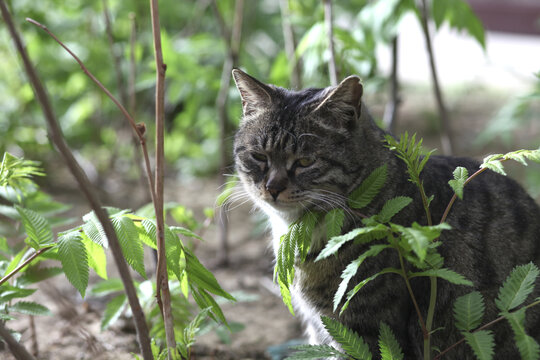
x=486, y=55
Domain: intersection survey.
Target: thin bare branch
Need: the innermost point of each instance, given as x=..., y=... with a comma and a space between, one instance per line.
x=391, y=110
x=328, y=19
x=23, y=264
x=17, y=349
x=446, y=139
x=162, y=282
x=290, y=45
x=55, y=133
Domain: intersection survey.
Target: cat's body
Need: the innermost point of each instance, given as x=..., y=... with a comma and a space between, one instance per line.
x=310, y=149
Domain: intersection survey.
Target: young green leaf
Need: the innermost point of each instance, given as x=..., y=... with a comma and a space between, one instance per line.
x=113, y=310
x=528, y=347
x=74, y=259
x=9, y=292
x=419, y=237
x=353, y=344
x=517, y=287
x=314, y=352
x=460, y=176
x=285, y=295
x=388, y=344
x=469, y=311
x=93, y=229
x=392, y=207
x=482, y=343
x=37, y=228
x=29, y=308
x=460, y=16
x=131, y=245
x=107, y=287
x=333, y=221
x=96, y=256
x=369, y=188
x=444, y=273
x=184, y=231
x=303, y=242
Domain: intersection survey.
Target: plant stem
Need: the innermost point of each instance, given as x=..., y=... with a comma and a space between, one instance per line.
x=17, y=349
x=290, y=45
x=430, y=315
x=55, y=133
x=162, y=282
x=443, y=112
x=391, y=110
x=22, y=265
x=332, y=69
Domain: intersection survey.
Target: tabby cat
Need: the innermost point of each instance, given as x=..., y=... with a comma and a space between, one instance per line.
x=297, y=151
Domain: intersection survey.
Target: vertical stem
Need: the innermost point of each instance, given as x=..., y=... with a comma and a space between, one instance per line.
x=332, y=69
x=17, y=349
x=446, y=141
x=390, y=112
x=162, y=282
x=430, y=315
x=33, y=335
x=55, y=134
x=290, y=45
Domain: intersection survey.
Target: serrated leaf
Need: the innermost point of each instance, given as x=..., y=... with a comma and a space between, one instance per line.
x=460, y=16
x=482, y=343
x=460, y=176
x=184, y=231
x=444, y=273
x=495, y=166
x=370, y=232
x=314, y=352
x=107, y=287
x=29, y=308
x=388, y=344
x=9, y=292
x=131, y=245
x=305, y=232
x=74, y=259
x=113, y=310
x=469, y=311
x=369, y=188
x=93, y=229
x=333, y=221
x=286, y=295
x=392, y=207
x=419, y=237
x=16, y=260
x=517, y=287
x=97, y=259
x=36, y=227
x=34, y=274
x=528, y=347
x=353, y=344
x=351, y=270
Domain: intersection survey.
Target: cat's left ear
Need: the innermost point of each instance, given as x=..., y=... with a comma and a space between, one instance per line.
x=255, y=95
x=344, y=99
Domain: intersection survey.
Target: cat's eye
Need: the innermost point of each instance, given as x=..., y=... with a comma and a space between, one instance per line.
x=305, y=162
x=259, y=157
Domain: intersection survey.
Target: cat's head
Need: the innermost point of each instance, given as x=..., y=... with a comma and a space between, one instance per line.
x=298, y=150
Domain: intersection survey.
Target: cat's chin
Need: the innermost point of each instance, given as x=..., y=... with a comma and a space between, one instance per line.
x=286, y=210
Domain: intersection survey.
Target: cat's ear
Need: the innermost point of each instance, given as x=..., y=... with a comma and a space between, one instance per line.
x=255, y=95
x=344, y=99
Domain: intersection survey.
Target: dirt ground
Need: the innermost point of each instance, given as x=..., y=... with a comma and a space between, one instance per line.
x=73, y=332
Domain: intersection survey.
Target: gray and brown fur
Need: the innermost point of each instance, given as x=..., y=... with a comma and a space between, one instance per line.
x=308, y=150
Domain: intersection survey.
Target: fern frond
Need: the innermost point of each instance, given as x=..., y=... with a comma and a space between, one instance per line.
x=369, y=188
x=469, y=311
x=29, y=308
x=333, y=221
x=392, y=207
x=458, y=183
x=37, y=228
x=494, y=162
x=482, y=343
x=131, y=245
x=419, y=237
x=388, y=344
x=353, y=344
x=314, y=352
x=528, y=347
x=517, y=287
x=443, y=273
x=74, y=259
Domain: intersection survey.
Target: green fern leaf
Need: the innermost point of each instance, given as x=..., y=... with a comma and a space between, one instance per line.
x=366, y=234
x=528, y=347
x=93, y=229
x=74, y=259
x=419, y=237
x=369, y=188
x=443, y=273
x=113, y=310
x=333, y=221
x=96, y=256
x=482, y=342
x=392, y=207
x=307, y=224
x=353, y=344
x=517, y=287
x=29, y=308
x=314, y=352
x=469, y=311
x=286, y=295
x=131, y=245
x=388, y=344
x=352, y=268
x=37, y=228
x=460, y=176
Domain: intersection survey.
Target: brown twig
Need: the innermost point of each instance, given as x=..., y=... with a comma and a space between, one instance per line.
x=290, y=45
x=391, y=110
x=18, y=350
x=23, y=264
x=33, y=336
x=162, y=282
x=55, y=133
x=332, y=69
x=446, y=140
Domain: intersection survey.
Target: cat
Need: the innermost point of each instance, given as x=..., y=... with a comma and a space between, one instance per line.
x=306, y=150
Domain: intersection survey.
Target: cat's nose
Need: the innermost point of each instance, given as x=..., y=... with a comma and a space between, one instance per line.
x=276, y=183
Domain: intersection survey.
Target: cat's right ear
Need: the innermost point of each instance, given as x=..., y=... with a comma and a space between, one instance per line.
x=255, y=95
